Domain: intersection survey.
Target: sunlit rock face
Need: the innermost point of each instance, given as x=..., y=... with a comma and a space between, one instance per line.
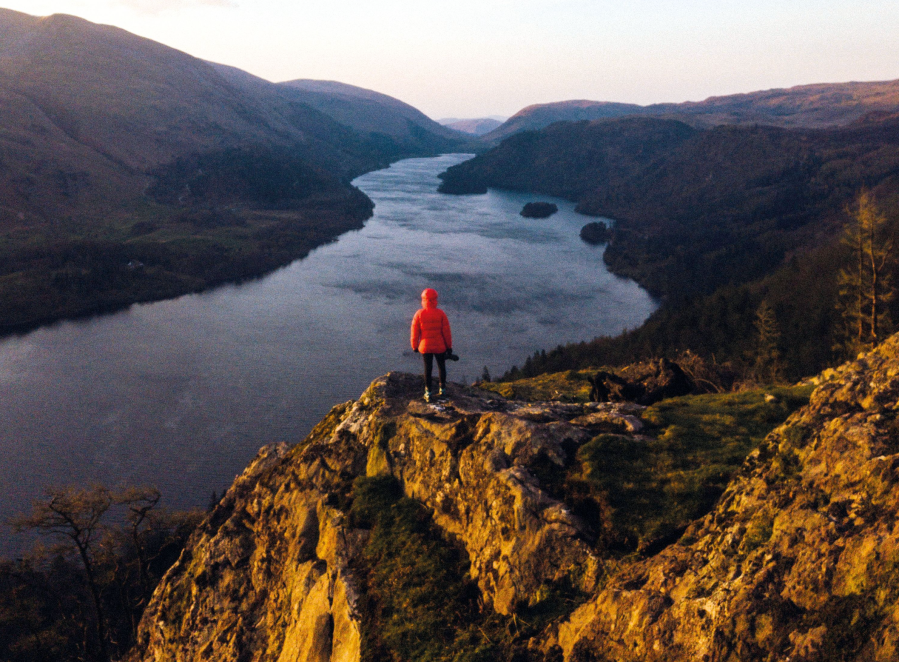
x=271, y=574
x=798, y=560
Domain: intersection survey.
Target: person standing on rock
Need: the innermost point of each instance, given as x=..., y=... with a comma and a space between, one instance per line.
x=432, y=337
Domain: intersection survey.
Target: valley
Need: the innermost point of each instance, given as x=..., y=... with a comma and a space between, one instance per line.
x=117, y=151
x=671, y=434
x=191, y=386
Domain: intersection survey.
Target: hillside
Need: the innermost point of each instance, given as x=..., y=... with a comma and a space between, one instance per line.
x=117, y=151
x=541, y=115
x=805, y=106
x=375, y=115
x=138, y=103
x=487, y=529
x=714, y=221
x=796, y=561
x=695, y=209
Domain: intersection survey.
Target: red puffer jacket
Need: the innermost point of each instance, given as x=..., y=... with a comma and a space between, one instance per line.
x=430, y=326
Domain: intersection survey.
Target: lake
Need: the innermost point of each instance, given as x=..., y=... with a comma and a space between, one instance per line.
x=181, y=393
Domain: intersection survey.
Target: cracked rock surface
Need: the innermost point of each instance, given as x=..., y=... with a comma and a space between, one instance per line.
x=798, y=560
x=269, y=575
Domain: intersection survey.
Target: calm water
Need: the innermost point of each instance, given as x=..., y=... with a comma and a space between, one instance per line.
x=182, y=393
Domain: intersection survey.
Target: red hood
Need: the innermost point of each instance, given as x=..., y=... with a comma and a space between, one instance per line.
x=429, y=299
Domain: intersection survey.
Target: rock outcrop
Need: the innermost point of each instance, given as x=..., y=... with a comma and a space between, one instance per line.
x=644, y=384
x=270, y=575
x=798, y=560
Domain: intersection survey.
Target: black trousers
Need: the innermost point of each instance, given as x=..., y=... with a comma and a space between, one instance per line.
x=429, y=368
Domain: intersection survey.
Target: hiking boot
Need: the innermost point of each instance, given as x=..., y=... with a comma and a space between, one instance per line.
x=427, y=395
x=442, y=392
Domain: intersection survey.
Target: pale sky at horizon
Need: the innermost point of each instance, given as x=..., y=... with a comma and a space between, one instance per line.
x=493, y=57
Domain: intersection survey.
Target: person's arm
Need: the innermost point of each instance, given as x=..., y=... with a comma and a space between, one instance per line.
x=415, y=334
x=447, y=334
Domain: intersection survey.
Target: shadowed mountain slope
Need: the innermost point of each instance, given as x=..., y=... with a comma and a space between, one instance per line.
x=695, y=209
x=116, y=150
x=375, y=115
x=714, y=221
x=115, y=105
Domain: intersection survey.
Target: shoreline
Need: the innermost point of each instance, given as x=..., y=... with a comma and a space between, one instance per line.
x=136, y=282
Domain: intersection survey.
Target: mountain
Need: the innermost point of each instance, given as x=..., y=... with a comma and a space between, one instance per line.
x=114, y=106
x=804, y=106
x=375, y=115
x=477, y=127
x=541, y=115
x=116, y=150
x=808, y=106
x=492, y=529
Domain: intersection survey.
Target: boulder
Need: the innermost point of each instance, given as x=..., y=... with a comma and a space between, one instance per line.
x=651, y=382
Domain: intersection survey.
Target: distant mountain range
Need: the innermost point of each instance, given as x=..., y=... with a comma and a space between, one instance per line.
x=475, y=127
x=806, y=106
x=89, y=110
x=541, y=115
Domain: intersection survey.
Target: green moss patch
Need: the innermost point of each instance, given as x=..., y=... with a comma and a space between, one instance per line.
x=570, y=386
x=420, y=601
x=639, y=493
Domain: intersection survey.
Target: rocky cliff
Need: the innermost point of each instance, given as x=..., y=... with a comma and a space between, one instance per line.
x=798, y=561
x=275, y=572
x=401, y=530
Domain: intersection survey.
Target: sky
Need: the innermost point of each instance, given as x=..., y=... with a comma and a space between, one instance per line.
x=473, y=58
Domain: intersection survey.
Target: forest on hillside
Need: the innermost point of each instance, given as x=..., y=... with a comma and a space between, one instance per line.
x=714, y=222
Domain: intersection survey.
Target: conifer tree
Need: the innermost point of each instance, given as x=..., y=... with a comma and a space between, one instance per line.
x=865, y=283
x=768, y=364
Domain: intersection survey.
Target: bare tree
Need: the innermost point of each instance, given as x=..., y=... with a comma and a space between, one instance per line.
x=139, y=501
x=76, y=515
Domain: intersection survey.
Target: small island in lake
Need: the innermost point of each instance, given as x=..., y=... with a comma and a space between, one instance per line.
x=595, y=233
x=539, y=210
